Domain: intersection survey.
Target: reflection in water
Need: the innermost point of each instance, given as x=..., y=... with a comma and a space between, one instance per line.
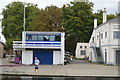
x=53, y=78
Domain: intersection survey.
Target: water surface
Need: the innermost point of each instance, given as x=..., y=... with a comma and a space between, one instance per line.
x=54, y=78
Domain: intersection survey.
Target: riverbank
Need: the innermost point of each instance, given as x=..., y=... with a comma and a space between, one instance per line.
x=75, y=69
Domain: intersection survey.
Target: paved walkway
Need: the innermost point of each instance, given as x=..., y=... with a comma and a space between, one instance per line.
x=77, y=68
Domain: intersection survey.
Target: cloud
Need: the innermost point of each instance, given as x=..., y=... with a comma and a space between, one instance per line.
x=110, y=5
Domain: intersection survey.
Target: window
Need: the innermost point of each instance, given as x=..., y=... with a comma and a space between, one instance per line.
x=46, y=38
x=40, y=38
x=105, y=50
x=34, y=37
x=118, y=51
x=105, y=34
x=116, y=34
x=57, y=38
x=80, y=46
x=93, y=39
x=28, y=37
x=85, y=47
x=83, y=52
x=101, y=35
x=52, y=38
x=97, y=37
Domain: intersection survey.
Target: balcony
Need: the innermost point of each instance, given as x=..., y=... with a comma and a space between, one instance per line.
x=92, y=45
x=34, y=44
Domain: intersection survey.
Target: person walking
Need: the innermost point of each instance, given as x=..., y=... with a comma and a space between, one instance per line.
x=37, y=62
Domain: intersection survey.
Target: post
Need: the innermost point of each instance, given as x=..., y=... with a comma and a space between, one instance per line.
x=24, y=16
x=62, y=47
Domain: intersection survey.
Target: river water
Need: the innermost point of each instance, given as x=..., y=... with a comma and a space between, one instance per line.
x=5, y=77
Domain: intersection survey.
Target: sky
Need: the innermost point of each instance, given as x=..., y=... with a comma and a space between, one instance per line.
x=110, y=5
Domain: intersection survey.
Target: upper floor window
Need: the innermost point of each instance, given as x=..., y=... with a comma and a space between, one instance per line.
x=34, y=37
x=80, y=46
x=101, y=35
x=116, y=34
x=85, y=47
x=28, y=38
x=57, y=38
x=46, y=38
x=97, y=37
x=92, y=39
x=52, y=38
x=106, y=34
x=39, y=37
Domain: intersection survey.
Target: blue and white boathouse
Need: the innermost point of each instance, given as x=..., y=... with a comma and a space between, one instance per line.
x=47, y=46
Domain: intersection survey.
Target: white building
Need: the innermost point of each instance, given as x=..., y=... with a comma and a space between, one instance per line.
x=105, y=41
x=82, y=50
x=2, y=38
x=47, y=46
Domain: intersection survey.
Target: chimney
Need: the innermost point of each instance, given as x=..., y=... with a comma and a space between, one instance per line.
x=104, y=15
x=95, y=23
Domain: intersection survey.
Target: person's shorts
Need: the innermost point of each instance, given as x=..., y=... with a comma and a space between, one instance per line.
x=36, y=67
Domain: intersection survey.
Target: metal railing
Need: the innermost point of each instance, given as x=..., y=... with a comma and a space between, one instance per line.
x=92, y=44
x=28, y=44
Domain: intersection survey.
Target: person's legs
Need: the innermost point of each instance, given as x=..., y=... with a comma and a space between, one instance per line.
x=36, y=68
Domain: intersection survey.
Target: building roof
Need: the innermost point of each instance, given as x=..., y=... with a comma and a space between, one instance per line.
x=41, y=32
x=114, y=20
x=1, y=42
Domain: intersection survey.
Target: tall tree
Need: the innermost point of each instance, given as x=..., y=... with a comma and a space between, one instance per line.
x=12, y=22
x=78, y=22
x=48, y=20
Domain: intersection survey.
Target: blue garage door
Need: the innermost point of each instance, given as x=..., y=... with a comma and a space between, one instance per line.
x=45, y=57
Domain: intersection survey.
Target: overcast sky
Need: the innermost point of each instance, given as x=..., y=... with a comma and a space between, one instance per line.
x=110, y=5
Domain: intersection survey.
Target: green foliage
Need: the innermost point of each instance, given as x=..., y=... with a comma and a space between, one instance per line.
x=76, y=19
x=78, y=23
x=48, y=20
x=13, y=20
x=99, y=16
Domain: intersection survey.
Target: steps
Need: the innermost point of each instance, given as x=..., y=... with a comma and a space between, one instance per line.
x=98, y=55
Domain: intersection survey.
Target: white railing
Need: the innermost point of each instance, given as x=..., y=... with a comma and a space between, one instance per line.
x=28, y=44
x=92, y=44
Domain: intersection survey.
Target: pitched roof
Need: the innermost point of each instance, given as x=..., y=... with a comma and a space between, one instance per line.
x=114, y=20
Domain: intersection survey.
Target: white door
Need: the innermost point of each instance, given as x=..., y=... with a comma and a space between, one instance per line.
x=27, y=57
x=56, y=57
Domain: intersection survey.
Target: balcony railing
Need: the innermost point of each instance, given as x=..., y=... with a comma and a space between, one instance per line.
x=92, y=44
x=28, y=44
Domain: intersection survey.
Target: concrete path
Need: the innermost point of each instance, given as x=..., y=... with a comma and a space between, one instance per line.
x=76, y=68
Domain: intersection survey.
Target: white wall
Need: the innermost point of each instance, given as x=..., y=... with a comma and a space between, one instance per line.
x=108, y=43
x=56, y=57
x=27, y=57
x=78, y=49
x=62, y=47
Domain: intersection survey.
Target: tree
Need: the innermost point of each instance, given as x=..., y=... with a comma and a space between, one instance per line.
x=12, y=23
x=78, y=22
x=48, y=20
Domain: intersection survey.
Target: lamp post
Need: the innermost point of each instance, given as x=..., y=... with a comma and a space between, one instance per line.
x=24, y=16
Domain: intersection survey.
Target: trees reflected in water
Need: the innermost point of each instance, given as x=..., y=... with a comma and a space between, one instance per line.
x=53, y=78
